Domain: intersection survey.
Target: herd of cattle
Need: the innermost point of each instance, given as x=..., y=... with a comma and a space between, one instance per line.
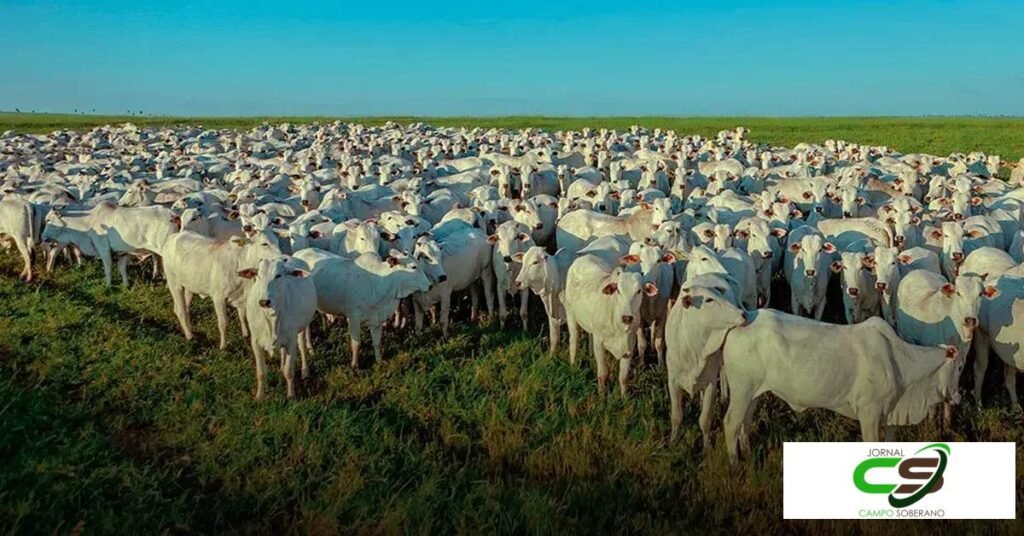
x=641, y=239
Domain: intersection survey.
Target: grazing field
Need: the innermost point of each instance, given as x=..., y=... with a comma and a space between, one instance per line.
x=111, y=422
x=936, y=135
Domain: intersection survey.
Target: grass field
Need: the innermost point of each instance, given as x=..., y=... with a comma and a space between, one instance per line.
x=110, y=422
x=936, y=135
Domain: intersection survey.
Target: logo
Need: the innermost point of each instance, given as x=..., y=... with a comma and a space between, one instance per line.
x=919, y=474
x=899, y=480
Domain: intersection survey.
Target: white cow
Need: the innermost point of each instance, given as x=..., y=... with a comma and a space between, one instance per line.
x=576, y=228
x=877, y=378
x=1001, y=330
x=465, y=256
x=16, y=224
x=807, y=269
x=509, y=239
x=367, y=291
x=279, y=307
x=891, y=266
x=604, y=300
x=545, y=275
x=218, y=280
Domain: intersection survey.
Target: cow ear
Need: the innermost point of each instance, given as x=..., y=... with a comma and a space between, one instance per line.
x=827, y=247
x=937, y=235
x=836, y=266
x=686, y=301
x=386, y=236
x=492, y=239
x=299, y=273
x=779, y=233
x=868, y=262
x=650, y=289
x=392, y=262
x=232, y=215
x=239, y=241
x=975, y=201
x=796, y=213
x=645, y=206
x=951, y=351
x=974, y=233
x=905, y=259
x=176, y=219
x=948, y=289
x=248, y=273
x=668, y=257
x=915, y=221
x=783, y=199
x=741, y=234
x=629, y=259
x=861, y=200
x=795, y=247
x=990, y=292
x=520, y=208
x=518, y=257
x=610, y=289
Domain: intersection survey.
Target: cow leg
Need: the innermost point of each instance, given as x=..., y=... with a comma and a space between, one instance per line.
x=597, y=346
x=220, y=309
x=707, y=409
x=502, y=307
x=641, y=342
x=981, y=351
x=353, y=339
x=1011, y=386
x=181, y=308
x=553, y=335
x=748, y=421
x=869, y=426
x=108, y=267
x=261, y=369
x=242, y=321
x=488, y=282
x=474, y=300
x=624, y=365
x=793, y=305
x=122, y=268
x=304, y=349
x=947, y=416
x=51, y=257
x=659, y=339
x=446, y=304
x=418, y=316
x=156, y=267
x=289, y=367
x=574, y=337
x=376, y=333
x=524, y=302
x=890, y=433
x=819, y=309
x=739, y=402
x=188, y=299
x=26, y=255
x=675, y=395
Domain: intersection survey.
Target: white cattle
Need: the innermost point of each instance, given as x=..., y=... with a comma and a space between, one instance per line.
x=16, y=224
x=465, y=255
x=656, y=267
x=366, y=290
x=576, y=228
x=545, y=275
x=604, y=300
x=877, y=378
x=807, y=267
x=857, y=280
x=509, y=239
x=696, y=328
x=1001, y=330
x=219, y=280
x=891, y=265
x=280, y=305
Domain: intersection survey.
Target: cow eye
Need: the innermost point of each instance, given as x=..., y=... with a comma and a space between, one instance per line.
x=709, y=300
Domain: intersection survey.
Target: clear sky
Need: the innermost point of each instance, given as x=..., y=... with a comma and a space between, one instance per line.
x=444, y=57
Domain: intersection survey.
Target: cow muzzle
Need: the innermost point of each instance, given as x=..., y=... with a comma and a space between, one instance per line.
x=264, y=304
x=627, y=319
x=970, y=323
x=853, y=292
x=957, y=257
x=810, y=273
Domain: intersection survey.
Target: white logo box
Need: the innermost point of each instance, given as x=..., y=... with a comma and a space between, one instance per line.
x=818, y=483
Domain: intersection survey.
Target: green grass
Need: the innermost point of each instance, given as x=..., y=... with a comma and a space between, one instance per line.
x=936, y=135
x=112, y=422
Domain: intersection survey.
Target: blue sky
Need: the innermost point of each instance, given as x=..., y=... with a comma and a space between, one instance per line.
x=447, y=57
